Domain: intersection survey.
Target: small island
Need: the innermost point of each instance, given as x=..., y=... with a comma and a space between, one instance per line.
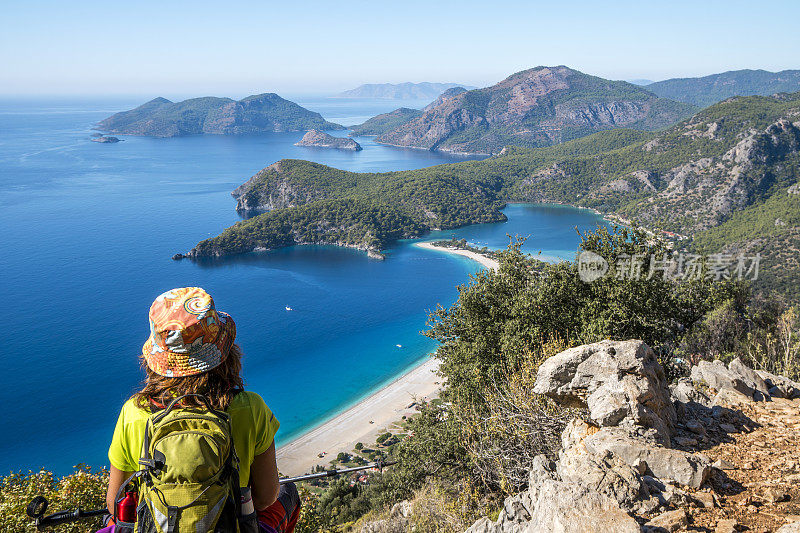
x=105, y=139
x=321, y=139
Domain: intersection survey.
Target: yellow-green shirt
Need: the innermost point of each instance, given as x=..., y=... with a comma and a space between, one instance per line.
x=252, y=423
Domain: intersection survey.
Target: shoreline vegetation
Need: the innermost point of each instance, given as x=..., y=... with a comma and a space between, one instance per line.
x=363, y=422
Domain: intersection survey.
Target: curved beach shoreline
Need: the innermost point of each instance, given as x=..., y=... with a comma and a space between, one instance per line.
x=373, y=415
x=487, y=262
x=361, y=423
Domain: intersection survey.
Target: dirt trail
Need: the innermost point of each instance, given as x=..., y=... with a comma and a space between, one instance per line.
x=759, y=487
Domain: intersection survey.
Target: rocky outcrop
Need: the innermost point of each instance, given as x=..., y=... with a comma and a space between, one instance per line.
x=780, y=386
x=621, y=383
x=321, y=139
x=273, y=187
x=711, y=189
x=735, y=376
x=105, y=139
x=536, y=107
x=628, y=465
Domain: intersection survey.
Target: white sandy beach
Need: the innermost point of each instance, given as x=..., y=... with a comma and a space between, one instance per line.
x=384, y=407
x=341, y=433
x=485, y=261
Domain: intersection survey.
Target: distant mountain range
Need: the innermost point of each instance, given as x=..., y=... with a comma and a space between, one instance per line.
x=255, y=114
x=401, y=91
x=708, y=90
x=537, y=107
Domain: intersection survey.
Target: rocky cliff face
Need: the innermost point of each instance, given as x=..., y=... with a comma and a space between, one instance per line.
x=709, y=189
x=537, y=107
x=223, y=116
x=643, y=461
x=273, y=188
x=321, y=139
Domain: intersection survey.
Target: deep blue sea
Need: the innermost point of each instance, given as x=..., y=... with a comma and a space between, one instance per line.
x=88, y=233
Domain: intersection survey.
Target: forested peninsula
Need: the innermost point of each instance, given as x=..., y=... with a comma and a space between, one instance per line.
x=725, y=179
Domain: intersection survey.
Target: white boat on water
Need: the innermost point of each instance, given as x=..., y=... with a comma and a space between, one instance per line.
x=399, y=345
x=289, y=308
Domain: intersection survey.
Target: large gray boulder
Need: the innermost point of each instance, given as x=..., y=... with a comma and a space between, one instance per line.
x=620, y=382
x=683, y=391
x=749, y=376
x=717, y=376
x=562, y=507
x=780, y=386
x=684, y=468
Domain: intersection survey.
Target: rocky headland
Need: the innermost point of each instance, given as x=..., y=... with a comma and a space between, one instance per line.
x=320, y=139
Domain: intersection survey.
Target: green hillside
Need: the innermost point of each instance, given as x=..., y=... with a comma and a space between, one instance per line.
x=266, y=112
x=384, y=122
x=719, y=179
x=711, y=89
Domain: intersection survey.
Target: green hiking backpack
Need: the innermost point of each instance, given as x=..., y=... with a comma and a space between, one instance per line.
x=189, y=477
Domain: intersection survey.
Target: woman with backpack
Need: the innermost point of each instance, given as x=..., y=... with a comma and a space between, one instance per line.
x=178, y=441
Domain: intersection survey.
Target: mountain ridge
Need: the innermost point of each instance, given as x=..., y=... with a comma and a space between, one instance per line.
x=535, y=107
x=706, y=90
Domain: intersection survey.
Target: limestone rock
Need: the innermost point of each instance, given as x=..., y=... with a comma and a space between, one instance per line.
x=780, y=386
x=684, y=468
x=620, y=382
x=717, y=376
x=669, y=521
x=726, y=525
x=685, y=392
x=572, y=508
x=727, y=397
x=397, y=522
x=749, y=376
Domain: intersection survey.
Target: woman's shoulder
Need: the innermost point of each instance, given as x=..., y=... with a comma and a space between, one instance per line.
x=131, y=411
x=248, y=399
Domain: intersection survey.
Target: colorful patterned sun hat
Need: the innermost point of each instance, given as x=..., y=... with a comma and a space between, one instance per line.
x=188, y=335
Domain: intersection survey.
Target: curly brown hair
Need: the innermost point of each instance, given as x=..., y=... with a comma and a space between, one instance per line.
x=219, y=385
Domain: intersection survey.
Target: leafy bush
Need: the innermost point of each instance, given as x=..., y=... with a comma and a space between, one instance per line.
x=776, y=349
x=84, y=488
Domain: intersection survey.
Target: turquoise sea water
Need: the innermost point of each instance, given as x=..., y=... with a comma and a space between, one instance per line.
x=88, y=231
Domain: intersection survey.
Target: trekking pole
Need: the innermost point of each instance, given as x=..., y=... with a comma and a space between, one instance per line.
x=330, y=473
x=38, y=507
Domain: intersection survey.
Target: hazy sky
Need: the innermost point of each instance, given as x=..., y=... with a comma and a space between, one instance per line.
x=236, y=48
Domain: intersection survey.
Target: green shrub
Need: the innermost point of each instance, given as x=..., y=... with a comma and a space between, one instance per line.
x=84, y=488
